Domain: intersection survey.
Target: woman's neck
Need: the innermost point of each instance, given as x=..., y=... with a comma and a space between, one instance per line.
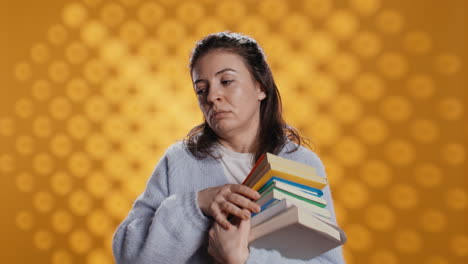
x=243, y=139
x=240, y=147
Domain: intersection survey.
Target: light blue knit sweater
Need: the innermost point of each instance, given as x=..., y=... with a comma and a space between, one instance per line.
x=166, y=224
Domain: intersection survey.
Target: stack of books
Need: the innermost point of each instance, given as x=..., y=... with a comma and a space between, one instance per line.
x=294, y=218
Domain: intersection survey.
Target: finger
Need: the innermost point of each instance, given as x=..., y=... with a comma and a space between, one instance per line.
x=225, y=214
x=230, y=208
x=245, y=191
x=212, y=253
x=243, y=202
x=244, y=224
x=222, y=221
x=244, y=229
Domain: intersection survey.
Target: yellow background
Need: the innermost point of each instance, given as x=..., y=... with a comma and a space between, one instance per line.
x=93, y=91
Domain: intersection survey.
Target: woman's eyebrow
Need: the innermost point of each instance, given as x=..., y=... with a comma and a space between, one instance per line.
x=197, y=81
x=219, y=72
x=224, y=70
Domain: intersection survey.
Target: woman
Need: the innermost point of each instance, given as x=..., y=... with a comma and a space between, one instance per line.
x=181, y=217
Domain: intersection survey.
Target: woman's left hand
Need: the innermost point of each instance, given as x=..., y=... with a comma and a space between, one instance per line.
x=230, y=246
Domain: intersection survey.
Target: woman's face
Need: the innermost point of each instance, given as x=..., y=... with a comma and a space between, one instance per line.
x=228, y=95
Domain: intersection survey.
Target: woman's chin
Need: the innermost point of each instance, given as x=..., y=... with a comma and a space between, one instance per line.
x=220, y=128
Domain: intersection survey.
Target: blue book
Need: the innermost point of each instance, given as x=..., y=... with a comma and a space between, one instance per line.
x=301, y=187
x=266, y=205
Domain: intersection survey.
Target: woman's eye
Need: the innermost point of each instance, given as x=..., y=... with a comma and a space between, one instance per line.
x=226, y=82
x=200, y=92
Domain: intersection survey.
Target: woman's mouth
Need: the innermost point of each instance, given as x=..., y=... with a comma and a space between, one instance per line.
x=219, y=115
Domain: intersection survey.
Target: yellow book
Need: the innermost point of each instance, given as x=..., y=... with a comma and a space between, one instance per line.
x=293, y=167
x=273, y=169
x=291, y=164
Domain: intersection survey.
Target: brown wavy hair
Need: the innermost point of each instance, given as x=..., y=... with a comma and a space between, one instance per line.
x=274, y=132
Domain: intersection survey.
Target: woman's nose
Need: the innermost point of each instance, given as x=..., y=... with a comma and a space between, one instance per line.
x=214, y=93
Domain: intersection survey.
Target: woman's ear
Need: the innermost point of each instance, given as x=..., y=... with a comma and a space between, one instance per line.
x=261, y=96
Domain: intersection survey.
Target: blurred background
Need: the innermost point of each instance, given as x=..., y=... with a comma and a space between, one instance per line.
x=93, y=92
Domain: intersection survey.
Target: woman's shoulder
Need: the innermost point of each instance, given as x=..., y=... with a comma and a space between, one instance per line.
x=178, y=150
x=177, y=157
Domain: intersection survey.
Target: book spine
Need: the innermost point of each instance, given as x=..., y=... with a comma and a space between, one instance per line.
x=254, y=170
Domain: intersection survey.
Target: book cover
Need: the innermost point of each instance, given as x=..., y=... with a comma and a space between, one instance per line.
x=296, y=234
x=294, y=165
x=274, y=170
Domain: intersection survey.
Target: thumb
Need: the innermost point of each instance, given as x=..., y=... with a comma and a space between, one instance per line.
x=244, y=229
x=245, y=225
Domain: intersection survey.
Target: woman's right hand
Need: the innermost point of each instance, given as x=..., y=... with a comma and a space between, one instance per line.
x=228, y=199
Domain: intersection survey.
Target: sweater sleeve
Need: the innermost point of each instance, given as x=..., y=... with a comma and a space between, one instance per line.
x=161, y=227
x=334, y=256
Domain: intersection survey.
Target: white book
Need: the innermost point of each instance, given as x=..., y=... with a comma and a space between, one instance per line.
x=275, y=208
x=278, y=207
x=297, y=234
